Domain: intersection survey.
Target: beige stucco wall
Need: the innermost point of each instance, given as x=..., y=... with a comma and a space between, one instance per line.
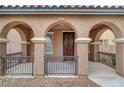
x=57, y=43
x=40, y=24
x=83, y=24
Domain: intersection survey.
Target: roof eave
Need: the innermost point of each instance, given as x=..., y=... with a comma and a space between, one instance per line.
x=64, y=11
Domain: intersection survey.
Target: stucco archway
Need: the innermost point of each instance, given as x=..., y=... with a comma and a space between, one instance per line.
x=61, y=48
x=95, y=34
x=58, y=28
x=61, y=23
x=25, y=32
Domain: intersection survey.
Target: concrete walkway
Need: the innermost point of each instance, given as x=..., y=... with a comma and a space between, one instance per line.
x=104, y=76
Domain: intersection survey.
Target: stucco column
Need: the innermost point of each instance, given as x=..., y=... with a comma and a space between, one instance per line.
x=38, y=55
x=119, y=55
x=3, y=45
x=82, y=53
x=24, y=47
x=95, y=51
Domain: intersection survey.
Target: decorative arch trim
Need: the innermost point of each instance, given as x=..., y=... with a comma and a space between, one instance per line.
x=12, y=25
x=61, y=22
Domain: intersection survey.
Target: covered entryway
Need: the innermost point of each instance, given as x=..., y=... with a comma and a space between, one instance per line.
x=103, y=49
x=60, y=54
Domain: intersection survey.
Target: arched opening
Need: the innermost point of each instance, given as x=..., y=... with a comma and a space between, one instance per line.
x=102, y=44
x=14, y=44
x=103, y=52
x=56, y=37
x=106, y=42
x=60, y=49
x=19, y=35
x=17, y=53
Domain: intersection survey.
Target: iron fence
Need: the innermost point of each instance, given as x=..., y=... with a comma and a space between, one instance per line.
x=15, y=54
x=1, y=67
x=65, y=65
x=107, y=58
x=13, y=65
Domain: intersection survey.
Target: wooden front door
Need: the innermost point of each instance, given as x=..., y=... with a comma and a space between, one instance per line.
x=68, y=43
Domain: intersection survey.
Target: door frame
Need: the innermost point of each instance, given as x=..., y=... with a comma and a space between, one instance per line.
x=63, y=41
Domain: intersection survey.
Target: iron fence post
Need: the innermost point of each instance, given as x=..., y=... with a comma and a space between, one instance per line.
x=76, y=66
x=3, y=68
x=45, y=66
x=32, y=66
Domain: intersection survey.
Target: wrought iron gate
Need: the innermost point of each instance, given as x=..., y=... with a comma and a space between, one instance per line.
x=66, y=65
